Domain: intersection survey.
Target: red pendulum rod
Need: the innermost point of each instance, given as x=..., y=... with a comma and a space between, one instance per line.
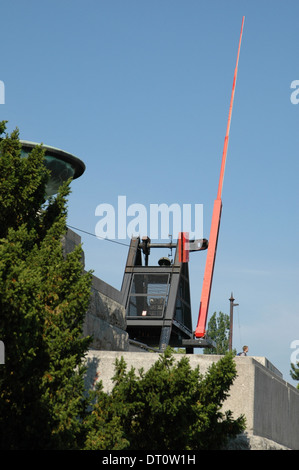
x=215, y=224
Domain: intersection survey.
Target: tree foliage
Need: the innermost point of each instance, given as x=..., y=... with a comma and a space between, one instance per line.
x=218, y=331
x=294, y=372
x=43, y=299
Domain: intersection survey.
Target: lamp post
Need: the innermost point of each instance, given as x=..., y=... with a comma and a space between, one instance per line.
x=232, y=305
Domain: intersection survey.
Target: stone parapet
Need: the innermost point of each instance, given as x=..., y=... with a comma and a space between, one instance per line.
x=105, y=318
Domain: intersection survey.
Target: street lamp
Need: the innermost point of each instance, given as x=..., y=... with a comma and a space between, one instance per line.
x=232, y=305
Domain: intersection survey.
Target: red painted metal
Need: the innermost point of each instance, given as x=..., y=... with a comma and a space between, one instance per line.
x=216, y=217
x=183, y=247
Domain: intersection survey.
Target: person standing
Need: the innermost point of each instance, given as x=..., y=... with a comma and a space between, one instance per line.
x=244, y=351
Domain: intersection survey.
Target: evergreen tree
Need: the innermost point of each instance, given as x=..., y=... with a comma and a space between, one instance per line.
x=103, y=425
x=44, y=296
x=218, y=331
x=295, y=372
x=169, y=407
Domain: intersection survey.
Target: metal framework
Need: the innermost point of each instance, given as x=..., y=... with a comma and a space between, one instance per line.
x=157, y=297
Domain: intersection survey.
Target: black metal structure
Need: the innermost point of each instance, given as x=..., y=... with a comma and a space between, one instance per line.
x=157, y=298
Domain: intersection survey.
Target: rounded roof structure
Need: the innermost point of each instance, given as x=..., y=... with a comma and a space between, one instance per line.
x=62, y=165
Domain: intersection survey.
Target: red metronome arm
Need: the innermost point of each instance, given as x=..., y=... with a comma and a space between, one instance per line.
x=216, y=217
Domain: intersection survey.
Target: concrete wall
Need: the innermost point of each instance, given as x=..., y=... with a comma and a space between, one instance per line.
x=270, y=405
x=70, y=241
x=276, y=409
x=105, y=319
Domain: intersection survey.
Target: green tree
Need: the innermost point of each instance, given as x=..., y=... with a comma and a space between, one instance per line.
x=44, y=296
x=295, y=372
x=103, y=426
x=170, y=407
x=218, y=331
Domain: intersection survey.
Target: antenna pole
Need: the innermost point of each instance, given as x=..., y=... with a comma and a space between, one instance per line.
x=216, y=217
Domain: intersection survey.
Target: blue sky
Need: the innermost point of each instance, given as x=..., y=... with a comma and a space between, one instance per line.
x=140, y=92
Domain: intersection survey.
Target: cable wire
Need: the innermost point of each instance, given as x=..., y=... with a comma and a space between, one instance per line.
x=96, y=236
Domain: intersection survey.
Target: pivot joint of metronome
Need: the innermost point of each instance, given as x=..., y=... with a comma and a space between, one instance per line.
x=185, y=246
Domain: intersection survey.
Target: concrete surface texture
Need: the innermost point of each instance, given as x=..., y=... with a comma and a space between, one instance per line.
x=105, y=319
